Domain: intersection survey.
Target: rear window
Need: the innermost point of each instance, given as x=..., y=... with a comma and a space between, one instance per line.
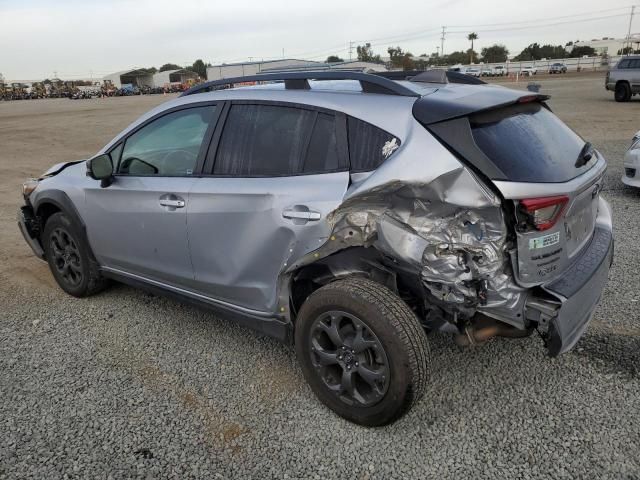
x=369, y=146
x=529, y=144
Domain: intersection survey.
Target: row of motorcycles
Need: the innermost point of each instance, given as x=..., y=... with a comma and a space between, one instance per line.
x=25, y=92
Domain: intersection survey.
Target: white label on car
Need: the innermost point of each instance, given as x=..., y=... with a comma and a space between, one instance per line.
x=544, y=241
x=389, y=147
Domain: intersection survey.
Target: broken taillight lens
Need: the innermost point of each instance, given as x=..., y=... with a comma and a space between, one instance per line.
x=543, y=213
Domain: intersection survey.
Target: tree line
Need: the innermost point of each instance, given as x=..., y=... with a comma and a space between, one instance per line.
x=198, y=67
x=495, y=53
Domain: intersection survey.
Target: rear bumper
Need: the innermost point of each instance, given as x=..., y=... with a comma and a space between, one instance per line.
x=28, y=225
x=581, y=286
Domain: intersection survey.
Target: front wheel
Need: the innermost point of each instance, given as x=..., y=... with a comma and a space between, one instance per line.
x=69, y=257
x=362, y=350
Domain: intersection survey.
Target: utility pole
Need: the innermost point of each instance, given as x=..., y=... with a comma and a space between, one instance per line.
x=350, y=49
x=442, y=40
x=633, y=9
x=438, y=52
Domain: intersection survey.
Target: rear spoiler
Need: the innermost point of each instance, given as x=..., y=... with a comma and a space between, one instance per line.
x=446, y=104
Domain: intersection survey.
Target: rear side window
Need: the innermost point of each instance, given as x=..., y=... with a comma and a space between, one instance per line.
x=529, y=143
x=268, y=140
x=623, y=64
x=369, y=146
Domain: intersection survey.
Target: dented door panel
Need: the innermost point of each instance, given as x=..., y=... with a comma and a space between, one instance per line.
x=244, y=231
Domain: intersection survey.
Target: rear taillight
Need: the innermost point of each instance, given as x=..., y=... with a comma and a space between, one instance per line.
x=542, y=213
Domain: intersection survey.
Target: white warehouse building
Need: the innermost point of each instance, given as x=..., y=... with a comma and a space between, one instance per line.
x=230, y=70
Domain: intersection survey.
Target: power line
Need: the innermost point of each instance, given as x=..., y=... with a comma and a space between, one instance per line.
x=573, y=16
x=528, y=27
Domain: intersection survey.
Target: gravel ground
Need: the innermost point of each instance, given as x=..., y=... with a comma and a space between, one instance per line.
x=125, y=384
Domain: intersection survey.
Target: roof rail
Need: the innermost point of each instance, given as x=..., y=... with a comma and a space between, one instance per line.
x=300, y=81
x=434, y=75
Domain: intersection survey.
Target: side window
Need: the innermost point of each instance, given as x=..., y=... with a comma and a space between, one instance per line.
x=322, y=154
x=268, y=140
x=623, y=64
x=634, y=64
x=369, y=146
x=168, y=146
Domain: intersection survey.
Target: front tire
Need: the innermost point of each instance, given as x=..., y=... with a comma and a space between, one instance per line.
x=362, y=350
x=70, y=258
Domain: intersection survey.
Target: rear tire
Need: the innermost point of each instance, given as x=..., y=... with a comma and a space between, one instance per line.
x=69, y=256
x=622, y=92
x=362, y=350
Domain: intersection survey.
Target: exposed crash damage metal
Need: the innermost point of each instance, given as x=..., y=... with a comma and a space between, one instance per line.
x=449, y=233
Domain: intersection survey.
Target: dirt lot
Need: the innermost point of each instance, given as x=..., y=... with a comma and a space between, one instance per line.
x=126, y=384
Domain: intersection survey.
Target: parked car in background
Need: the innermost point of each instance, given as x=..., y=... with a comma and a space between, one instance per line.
x=499, y=71
x=624, y=78
x=558, y=68
x=473, y=71
x=487, y=71
x=529, y=71
x=631, y=175
x=305, y=208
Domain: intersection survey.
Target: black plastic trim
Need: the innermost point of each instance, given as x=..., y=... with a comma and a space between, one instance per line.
x=62, y=201
x=29, y=227
x=270, y=326
x=456, y=135
x=579, y=273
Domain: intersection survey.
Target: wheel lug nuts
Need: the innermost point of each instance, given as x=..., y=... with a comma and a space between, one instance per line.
x=339, y=357
x=356, y=364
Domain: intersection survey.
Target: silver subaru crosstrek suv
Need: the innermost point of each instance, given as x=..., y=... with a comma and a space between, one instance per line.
x=346, y=213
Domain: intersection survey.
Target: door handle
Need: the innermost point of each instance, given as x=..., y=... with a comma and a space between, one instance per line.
x=301, y=215
x=172, y=201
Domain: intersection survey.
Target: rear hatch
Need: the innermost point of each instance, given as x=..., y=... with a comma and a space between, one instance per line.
x=549, y=176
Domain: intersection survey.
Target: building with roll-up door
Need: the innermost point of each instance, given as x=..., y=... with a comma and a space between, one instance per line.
x=139, y=77
x=173, y=76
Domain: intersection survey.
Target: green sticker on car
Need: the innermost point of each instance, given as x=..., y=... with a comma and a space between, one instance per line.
x=544, y=241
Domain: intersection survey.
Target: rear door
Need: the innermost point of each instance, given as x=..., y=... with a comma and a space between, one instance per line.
x=138, y=224
x=275, y=171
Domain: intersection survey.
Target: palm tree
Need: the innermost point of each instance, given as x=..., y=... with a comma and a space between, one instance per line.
x=471, y=37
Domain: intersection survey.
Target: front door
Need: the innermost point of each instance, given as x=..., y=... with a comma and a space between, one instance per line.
x=137, y=225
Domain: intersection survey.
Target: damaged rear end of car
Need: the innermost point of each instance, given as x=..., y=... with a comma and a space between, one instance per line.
x=487, y=220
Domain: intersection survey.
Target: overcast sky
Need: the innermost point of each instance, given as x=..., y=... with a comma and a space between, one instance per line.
x=77, y=38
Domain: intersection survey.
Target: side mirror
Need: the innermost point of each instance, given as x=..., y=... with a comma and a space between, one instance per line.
x=101, y=168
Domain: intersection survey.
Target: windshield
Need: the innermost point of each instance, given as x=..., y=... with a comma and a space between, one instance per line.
x=529, y=144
